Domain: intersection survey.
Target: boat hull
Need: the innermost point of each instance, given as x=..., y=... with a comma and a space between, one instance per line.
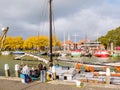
x=76, y=53
x=18, y=53
x=5, y=53
x=101, y=54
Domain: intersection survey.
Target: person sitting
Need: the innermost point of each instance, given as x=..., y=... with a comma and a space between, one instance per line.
x=34, y=73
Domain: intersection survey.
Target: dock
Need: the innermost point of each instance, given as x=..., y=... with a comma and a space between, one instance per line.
x=34, y=56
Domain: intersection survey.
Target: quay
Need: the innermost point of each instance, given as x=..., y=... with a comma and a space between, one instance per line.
x=15, y=84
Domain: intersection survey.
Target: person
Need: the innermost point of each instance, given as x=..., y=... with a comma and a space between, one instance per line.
x=34, y=73
x=25, y=71
x=40, y=66
x=44, y=68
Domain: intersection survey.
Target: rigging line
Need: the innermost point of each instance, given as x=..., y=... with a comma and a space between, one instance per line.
x=53, y=23
x=43, y=10
x=43, y=14
x=46, y=17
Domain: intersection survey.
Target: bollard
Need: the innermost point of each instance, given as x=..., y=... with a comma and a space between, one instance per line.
x=43, y=76
x=17, y=70
x=48, y=76
x=7, y=72
x=108, y=76
x=54, y=72
x=78, y=83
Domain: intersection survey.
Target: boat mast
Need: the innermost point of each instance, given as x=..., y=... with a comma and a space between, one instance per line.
x=64, y=43
x=50, y=29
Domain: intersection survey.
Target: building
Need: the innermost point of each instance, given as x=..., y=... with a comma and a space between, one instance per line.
x=82, y=44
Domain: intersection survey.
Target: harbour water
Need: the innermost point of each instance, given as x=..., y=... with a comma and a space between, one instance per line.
x=9, y=59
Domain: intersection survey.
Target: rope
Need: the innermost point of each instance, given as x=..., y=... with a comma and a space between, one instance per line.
x=43, y=15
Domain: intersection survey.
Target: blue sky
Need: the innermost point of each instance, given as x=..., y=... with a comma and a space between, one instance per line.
x=116, y=2
x=82, y=17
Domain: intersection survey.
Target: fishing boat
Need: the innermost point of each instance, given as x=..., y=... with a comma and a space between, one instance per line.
x=18, y=53
x=76, y=53
x=101, y=53
x=5, y=53
x=114, y=54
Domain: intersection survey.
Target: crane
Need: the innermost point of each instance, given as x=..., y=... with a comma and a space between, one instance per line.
x=3, y=36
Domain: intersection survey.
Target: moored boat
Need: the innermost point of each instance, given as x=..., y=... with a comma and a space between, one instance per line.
x=5, y=53
x=114, y=55
x=101, y=53
x=76, y=53
x=18, y=53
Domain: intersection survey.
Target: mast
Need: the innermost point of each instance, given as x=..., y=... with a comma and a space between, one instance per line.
x=64, y=42
x=50, y=29
x=75, y=46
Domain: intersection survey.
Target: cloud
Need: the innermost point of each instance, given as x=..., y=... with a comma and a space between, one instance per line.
x=91, y=17
x=87, y=21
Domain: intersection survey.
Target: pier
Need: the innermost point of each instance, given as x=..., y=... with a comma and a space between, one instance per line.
x=34, y=56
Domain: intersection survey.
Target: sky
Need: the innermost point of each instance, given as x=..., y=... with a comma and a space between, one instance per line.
x=80, y=18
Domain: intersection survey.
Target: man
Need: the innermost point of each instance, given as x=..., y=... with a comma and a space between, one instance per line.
x=25, y=71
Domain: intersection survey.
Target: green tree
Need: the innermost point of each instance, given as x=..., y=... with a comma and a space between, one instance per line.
x=113, y=36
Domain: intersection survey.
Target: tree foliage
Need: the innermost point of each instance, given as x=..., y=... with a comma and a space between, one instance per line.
x=32, y=42
x=113, y=36
x=13, y=43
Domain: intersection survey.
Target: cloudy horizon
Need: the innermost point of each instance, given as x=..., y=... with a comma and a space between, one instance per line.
x=93, y=18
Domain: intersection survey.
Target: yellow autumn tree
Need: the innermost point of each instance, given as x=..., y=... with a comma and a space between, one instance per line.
x=42, y=42
x=13, y=43
x=32, y=42
x=36, y=42
x=8, y=44
x=18, y=42
x=29, y=43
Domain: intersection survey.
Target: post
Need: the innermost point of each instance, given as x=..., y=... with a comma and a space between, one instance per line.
x=54, y=72
x=111, y=48
x=17, y=70
x=108, y=76
x=78, y=83
x=7, y=72
x=43, y=76
x=50, y=30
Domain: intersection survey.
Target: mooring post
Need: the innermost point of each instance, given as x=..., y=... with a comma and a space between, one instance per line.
x=108, y=76
x=17, y=70
x=7, y=72
x=54, y=72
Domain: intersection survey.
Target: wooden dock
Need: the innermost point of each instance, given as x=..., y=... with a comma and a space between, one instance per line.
x=34, y=56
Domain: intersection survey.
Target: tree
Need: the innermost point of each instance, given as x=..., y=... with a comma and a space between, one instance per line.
x=13, y=43
x=29, y=43
x=113, y=36
x=43, y=42
x=18, y=42
x=32, y=42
